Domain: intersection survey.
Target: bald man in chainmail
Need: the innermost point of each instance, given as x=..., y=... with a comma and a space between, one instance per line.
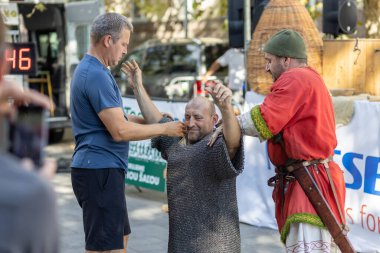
x=201, y=180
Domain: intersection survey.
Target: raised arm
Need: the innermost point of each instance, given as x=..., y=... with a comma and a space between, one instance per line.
x=149, y=111
x=222, y=97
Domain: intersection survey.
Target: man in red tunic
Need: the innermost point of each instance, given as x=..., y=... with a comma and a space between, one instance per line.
x=300, y=109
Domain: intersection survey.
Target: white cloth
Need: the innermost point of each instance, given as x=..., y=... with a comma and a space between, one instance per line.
x=234, y=58
x=247, y=126
x=306, y=238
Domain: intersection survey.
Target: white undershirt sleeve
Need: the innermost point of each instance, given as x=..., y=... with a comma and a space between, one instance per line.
x=247, y=126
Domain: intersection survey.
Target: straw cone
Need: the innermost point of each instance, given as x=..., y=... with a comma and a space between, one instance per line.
x=278, y=15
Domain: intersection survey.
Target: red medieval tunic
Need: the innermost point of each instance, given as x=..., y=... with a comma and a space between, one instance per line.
x=299, y=106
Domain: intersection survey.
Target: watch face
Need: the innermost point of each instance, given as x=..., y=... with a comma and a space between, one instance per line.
x=21, y=58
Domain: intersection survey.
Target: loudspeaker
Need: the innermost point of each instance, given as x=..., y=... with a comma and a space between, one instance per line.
x=339, y=17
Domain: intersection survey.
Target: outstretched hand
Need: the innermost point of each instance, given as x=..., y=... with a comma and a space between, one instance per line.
x=46, y=171
x=133, y=72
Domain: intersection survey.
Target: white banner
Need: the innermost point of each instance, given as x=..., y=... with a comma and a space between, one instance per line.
x=255, y=201
x=358, y=152
x=142, y=149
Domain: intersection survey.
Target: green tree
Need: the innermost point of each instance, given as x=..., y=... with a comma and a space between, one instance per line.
x=155, y=9
x=115, y=5
x=371, y=9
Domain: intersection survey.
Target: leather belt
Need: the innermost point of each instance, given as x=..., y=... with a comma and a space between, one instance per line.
x=284, y=172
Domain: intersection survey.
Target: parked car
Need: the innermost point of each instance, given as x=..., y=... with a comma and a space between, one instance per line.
x=172, y=68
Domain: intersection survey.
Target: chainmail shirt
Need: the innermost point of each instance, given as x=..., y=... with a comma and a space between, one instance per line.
x=201, y=188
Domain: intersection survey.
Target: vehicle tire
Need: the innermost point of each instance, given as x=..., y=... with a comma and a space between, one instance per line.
x=56, y=135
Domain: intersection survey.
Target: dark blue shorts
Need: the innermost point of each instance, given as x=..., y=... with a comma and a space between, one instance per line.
x=100, y=193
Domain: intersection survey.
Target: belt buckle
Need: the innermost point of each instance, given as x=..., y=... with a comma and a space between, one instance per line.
x=290, y=168
x=272, y=181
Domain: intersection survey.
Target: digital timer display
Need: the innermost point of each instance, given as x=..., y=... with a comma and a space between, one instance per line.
x=21, y=58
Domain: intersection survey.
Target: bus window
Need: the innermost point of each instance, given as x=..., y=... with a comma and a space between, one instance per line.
x=82, y=36
x=47, y=48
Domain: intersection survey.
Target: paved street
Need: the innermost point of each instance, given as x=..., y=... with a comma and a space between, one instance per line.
x=148, y=222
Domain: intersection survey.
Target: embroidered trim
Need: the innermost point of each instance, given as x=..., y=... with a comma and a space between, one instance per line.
x=300, y=218
x=260, y=123
x=304, y=247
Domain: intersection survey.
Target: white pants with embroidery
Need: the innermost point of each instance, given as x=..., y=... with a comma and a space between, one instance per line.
x=306, y=238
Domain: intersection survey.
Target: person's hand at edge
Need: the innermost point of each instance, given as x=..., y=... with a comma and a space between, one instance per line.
x=46, y=171
x=12, y=95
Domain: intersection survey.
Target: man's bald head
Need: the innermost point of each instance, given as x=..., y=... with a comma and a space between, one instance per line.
x=202, y=102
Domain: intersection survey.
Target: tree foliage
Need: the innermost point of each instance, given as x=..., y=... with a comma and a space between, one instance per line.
x=116, y=5
x=371, y=10
x=155, y=10
x=152, y=8
x=217, y=9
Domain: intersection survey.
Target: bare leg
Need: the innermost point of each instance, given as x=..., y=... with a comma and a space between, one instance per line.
x=108, y=251
x=113, y=251
x=125, y=242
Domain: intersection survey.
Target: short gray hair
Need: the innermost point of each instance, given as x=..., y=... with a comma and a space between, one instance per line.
x=109, y=24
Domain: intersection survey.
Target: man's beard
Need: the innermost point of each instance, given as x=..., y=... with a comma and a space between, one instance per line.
x=274, y=78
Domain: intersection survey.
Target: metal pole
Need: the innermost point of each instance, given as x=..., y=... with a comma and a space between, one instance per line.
x=247, y=23
x=247, y=38
x=185, y=22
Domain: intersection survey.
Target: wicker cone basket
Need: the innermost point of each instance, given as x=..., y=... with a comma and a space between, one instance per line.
x=278, y=15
